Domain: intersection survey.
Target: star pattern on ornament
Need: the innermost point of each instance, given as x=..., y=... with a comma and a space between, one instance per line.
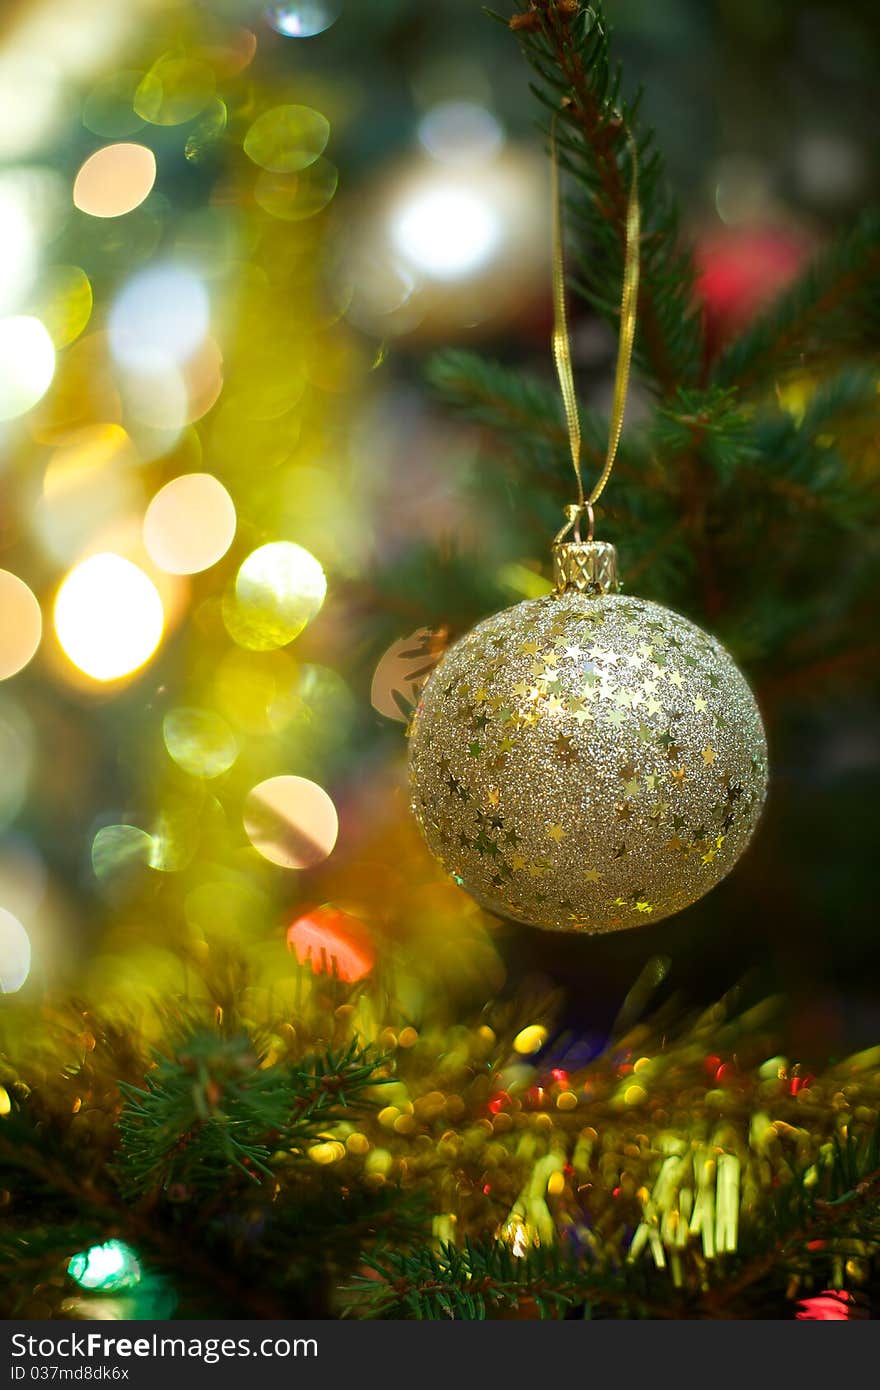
x=627, y=694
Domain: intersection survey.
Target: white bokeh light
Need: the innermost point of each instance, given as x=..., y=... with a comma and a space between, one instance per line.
x=108, y=617
x=460, y=132
x=445, y=230
x=159, y=318
x=27, y=364
x=15, y=953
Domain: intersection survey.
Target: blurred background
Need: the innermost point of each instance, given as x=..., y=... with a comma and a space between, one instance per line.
x=236, y=527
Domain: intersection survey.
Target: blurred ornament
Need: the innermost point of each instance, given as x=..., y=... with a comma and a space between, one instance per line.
x=834, y=1305
x=740, y=271
x=403, y=670
x=333, y=942
x=587, y=761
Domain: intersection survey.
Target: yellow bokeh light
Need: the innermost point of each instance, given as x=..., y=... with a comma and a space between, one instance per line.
x=530, y=1039
x=115, y=180
x=27, y=364
x=190, y=524
x=199, y=741
x=108, y=617
x=66, y=303
x=21, y=624
x=278, y=590
x=174, y=90
x=287, y=138
x=291, y=821
x=89, y=482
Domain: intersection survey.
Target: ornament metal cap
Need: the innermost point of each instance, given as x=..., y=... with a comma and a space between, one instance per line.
x=587, y=566
x=590, y=567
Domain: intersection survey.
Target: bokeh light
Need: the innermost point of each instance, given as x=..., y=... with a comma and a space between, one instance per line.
x=66, y=302
x=15, y=953
x=119, y=856
x=21, y=624
x=446, y=230
x=278, y=590
x=27, y=364
x=108, y=617
x=113, y=1265
x=115, y=180
x=199, y=741
x=16, y=757
x=460, y=132
x=287, y=139
x=333, y=942
x=296, y=197
x=89, y=481
x=108, y=109
x=174, y=90
x=304, y=19
x=19, y=259
x=159, y=318
x=190, y=524
x=291, y=821
x=30, y=102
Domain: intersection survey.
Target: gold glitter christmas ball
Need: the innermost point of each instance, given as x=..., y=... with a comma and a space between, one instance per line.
x=587, y=761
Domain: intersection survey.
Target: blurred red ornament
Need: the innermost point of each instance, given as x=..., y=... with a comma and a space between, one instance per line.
x=739, y=272
x=334, y=942
x=834, y=1305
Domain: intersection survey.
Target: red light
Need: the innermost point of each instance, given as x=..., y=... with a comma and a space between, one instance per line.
x=560, y=1075
x=830, y=1306
x=332, y=940
x=498, y=1102
x=799, y=1083
x=487, y=1188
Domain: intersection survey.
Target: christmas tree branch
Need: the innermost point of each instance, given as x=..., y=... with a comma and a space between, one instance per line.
x=567, y=45
x=212, y=1108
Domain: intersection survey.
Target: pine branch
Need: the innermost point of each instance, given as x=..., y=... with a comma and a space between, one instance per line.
x=833, y=308
x=472, y=1282
x=568, y=49
x=212, y=1109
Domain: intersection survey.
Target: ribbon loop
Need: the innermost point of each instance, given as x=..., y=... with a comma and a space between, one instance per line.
x=562, y=343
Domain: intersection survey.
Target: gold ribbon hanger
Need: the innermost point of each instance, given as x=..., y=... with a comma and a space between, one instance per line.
x=562, y=344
